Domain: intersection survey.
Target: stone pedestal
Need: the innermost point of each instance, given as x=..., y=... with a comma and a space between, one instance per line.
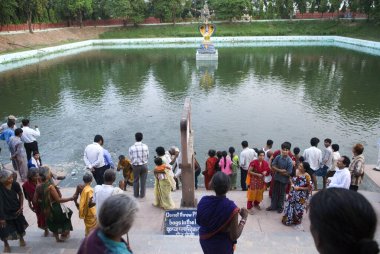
x=207, y=56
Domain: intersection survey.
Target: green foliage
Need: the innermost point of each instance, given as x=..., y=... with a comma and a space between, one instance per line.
x=312, y=6
x=301, y=5
x=323, y=6
x=138, y=11
x=358, y=29
x=167, y=10
x=118, y=9
x=229, y=9
x=366, y=6
x=7, y=11
x=334, y=5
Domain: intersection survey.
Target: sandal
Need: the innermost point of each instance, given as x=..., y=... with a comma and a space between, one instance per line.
x=22, y=243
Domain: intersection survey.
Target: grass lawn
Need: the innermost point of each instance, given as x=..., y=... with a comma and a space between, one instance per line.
x=359, y=29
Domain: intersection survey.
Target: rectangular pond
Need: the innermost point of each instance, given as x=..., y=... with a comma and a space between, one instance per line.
x=251, y=93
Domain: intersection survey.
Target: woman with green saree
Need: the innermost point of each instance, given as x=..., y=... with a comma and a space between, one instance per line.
x=58, y=216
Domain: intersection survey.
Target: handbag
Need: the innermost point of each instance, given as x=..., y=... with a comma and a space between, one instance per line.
x=268, y=178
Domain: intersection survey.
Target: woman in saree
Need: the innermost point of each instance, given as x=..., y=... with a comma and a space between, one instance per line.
x=234, y=167
x=12, y=220
x=29, y=188
x=49, y=198
x=217, y=217
x=162, y=186
x=115, y=219
x=257, y=170
x=210, y=168
x=298, y=196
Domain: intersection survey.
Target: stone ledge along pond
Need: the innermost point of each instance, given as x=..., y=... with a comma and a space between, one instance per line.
x=281, y=93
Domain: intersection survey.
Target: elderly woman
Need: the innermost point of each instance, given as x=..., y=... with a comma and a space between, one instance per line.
x=49, y=198
x=12, y=221
x=217, y=217
x=29, y=188
x=115, y=219
x=351, y=223
x=356, y=167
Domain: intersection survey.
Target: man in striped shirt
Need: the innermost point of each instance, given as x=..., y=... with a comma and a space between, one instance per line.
x=139, y=153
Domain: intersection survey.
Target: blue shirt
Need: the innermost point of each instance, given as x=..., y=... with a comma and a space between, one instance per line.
x=283, y=163
x=7, y=134
x=108, y=159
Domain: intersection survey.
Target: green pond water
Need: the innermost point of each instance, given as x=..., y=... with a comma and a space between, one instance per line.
x=281, y=93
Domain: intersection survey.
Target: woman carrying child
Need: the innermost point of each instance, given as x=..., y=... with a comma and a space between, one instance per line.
x=162, y=186
x=257, y=170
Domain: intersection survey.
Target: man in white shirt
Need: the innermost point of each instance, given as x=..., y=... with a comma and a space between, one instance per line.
x=268, y=150
x=246, y=156
x=336, y=156
x=342, y=176
x=94, y=159
x=29, y=138
x=313, y=156
x=106, y=190
x=139, y=153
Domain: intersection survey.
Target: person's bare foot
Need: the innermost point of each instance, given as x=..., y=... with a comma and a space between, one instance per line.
x=57, y=239
x=65, y=236
x=250, y=211
x=257, y=207
x=22, y=242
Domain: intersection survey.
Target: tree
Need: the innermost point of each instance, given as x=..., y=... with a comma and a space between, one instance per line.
x=229, y=9
x=167, y=9
x=312, y=6
x=31, y=9
x=301, y=5
x=7, y=11
x=366, y=7
x=335, y=4
x=323, y=6
x=98, y=9
x=138, y=11
x=80, y=8
x=119, y=9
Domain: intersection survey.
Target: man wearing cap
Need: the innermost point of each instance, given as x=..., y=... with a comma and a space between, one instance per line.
x=29, y=138
x=7, y=133
x=4, y=126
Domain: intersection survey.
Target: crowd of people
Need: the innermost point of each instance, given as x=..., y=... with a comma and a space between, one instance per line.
x=289, y=176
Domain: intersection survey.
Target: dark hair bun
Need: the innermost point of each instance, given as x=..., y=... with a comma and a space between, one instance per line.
x=367, y=246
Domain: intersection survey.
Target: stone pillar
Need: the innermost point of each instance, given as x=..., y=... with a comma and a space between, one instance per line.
x=187, y=151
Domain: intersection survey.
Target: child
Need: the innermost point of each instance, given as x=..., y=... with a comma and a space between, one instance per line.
x=125, y=165
x=85, y=211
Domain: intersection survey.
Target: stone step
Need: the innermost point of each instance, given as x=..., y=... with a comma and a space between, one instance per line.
x=146, y=242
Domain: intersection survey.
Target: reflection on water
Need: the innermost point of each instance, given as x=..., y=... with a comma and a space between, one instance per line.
x=253, y=93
